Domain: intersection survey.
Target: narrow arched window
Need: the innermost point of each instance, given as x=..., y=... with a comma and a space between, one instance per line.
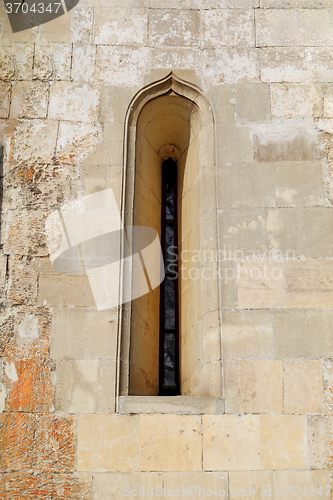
x=169, y=310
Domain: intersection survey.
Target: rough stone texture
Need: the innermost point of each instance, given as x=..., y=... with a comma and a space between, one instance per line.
x=169, y=28
x=303, y=387
x=289, y=100
x=120, y=27
x=228, y=28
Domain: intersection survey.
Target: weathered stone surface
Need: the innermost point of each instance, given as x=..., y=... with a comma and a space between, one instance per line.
x=315, y=482
x=22, y=287
x=52, y=61
x=170, y=442
x=76, y=486
x=294, y=28
x=223, y=100
x=31, y=223
x=166, y=58
x=228, y=65
x=35, y=141
x=251, y=483
x=228, y=28
x=110, y=151
x=260, y=386
x=252, y=102
x=284, y=234
x=234, y=143
x=125, y=65
x=74, y=102
x=76, y=141
x=284, y=140
x=37, y=486
x=57, y=30
x=29, y=100
x=266, y=4
x=83, y=64
x=181, y=405
x=225, y=4
x=309, y=283
x=82, y=19
x=328, y=386
x=114, y=102
x=5, y=94
x=230, y=382
x=17, y=434
x=120, y=26
x=7, y=66
x=303, y=387
x=108, y=443
x=177, y=483
x=282, y=439
x=173, y=28
x=102, y=333
x=242, y=233
x=247, y=334
x=117, y=484
x=300, y=184
x=231, y=442
x=320, y=446
x=289, y=100
x=68, y=333
x=22, y=55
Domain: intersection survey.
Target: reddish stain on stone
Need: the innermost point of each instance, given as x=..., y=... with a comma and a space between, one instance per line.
x=16, y=441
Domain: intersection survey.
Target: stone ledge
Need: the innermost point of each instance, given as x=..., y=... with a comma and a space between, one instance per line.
x=181, y=405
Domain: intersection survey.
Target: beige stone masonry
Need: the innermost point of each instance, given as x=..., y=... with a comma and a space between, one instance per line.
x=29, y=100
x=228, y=28
x=5, y=93
x=125, y=65
x=314, y=482
x=120, y=26
x=293, y=4
x=74, y=102
x=182, y=405
x=300, y=184
x=116, y=484
x=290, y=99
x=82, y=24
x=253, y=102
x=173, y=28
x=248, y=482
x=309, y=283
x=303, y=387
x=320, y=445
x=83, y=62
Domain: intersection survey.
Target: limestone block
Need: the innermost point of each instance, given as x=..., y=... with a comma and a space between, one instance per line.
x=74, y=102
x=77, y=386
x=284, y=140
x=68, y=333
x=309, y=481
x=225, y=4
x=230, y=386
x=52, y=61
x=7, y=65
x=173, y=28
x=302, y=333
x=327, y=91
x=83, y=65
x=320, y=445
x=252, y=102
x=317, y=235
x=169, y=4
x=228, y=65
x=266, y=4
x=247, y=334
x=242, y=233
x=57, y=30
x=5, y=95
x=170, y=443
x=231, y=442
x=82, y=24
x=223, y=99
x=296, y=65
x=62, y=60
x=22, y=281
x=22, y=55
x=3, y=269
x=300, y=184
x=228, y=292
x=108, y=443
x=43, y=69
x=309, y=283
x=260, y=386
x=57, y=289
x=29, y=100
x=303, y=387
x=227, y=28
x=178, y=59
x=249, y=483
x=76, y=141
x=116, y=485
x=292, y=28
x=284, y=233
x=120, y=26
x=247, y=185
x=114, y=102
x=102, y=333
x=283, y=441
x=181, y=405
x=261, y=284
x=290, y=99
x=234, y=143
x=31, y=224
x=35, y=140
x=120, y=66
x=195, y=484
x=328, y=386
x=107, y=386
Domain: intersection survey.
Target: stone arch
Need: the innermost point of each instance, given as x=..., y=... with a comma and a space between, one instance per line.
x=171, y=113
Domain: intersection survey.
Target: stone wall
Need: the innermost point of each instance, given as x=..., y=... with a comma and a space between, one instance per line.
x=266, y=68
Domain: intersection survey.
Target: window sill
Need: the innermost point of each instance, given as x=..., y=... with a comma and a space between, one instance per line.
x=179, y=405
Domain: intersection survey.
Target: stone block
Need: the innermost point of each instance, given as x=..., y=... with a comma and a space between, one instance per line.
x=253, y=102
x=303, y=387
x=66, y=290
x=116, y=485
x=82, y=19
x=231, y=442
x=173, y=28
x=110, y=151
x=229, y=65
x=328, y=386
x=247, y=185
x=261, y=284
x=182, y=405
x=227, y=28
x=5, y=99
x=260, y=386
x=121, y=66
x=43, y=69
x=242, y=233
x=223, y=99
x=247, y=334
x=75, y=485
x=228, y=292
x=120, y=26
x=170, y=443
x=294, y=28
x=169, y=4
x=195, y=484
x=166, y=58
x=23, y=281
x=286, y=482
x=68, y=333
x=102, y=327
x=7, y=65
x=114, y=102
x=107, y=386
x=284, y=140
x=29, y=100
x=234, y=143
x=290, y=99
x=284, y=233
x=302, y=333
x=62, y=60
x=292, y=64
x=17, y=447
x=58, y=30
x=108, y=443
x=74, y=102
x=279, y=4
x=300, y=184
x=76, y=141
x=225, y=4
x=317, y=233
x=35, y=140
x=283, y=441
x=22, y=55
x=309, y=283
x=83, y=64
x=52, y=61
x=320, y=445
x=249, y=483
